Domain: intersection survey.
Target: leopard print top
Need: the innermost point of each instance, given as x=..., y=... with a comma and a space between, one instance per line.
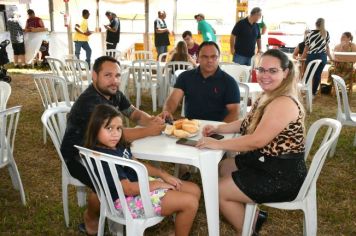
x=290, y=140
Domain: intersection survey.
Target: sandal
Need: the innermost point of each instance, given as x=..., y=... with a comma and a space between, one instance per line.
x=82, y=229
x=261, y=219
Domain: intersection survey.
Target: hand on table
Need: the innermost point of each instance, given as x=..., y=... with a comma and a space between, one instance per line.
x=208, y=130
x=206, y=142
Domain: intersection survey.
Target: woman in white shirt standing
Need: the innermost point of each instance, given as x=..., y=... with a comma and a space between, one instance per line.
x=317, y=47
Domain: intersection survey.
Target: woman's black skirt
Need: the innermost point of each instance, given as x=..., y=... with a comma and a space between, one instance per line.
x=268, y=178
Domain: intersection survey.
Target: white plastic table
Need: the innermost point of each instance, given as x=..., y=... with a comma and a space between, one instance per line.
x=164, y=148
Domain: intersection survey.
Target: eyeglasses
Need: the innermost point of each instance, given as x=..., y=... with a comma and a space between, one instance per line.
x=271, y=71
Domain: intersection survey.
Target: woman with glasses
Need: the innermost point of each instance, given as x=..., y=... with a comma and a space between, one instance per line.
x=270, y=163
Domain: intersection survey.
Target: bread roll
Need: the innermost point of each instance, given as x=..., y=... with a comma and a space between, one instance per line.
x=169, y=129
x=180, y=133
x=178, y=123
x=193, y=122
x=189, y=127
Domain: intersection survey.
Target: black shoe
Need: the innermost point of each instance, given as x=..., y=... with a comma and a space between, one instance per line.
x=261, y=219
x=186, y=176
x=83, y=230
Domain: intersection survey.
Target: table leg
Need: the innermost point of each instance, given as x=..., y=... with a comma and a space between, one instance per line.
x=209, y=176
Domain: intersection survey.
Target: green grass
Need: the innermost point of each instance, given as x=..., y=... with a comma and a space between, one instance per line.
x=40, y=171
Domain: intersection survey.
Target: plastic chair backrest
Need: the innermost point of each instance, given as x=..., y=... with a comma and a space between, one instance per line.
x=97, y=175
x=171, y=67
x=80, y=72
x=163, y=57
x=240, y=73
x=52, y=89
x=57, y=66
x=142, y=55
x=8, y=125
x=124, y=80
x=331, y=134
x=343, y=106
x=113, y=53
x=5, y=92
x=309, y=72
x=244, y=90
x=144, y=71
x=55, y=121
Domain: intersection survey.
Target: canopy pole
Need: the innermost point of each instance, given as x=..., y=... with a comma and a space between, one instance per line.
x=50, y=6
x=175, y=16
x=146, y=36
x=69, y=31
x=97, y=28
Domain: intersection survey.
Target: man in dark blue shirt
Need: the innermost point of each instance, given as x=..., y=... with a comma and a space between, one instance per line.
x=210, y=93
x=244, y=36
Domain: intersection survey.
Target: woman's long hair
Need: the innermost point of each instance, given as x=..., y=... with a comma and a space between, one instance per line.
x=320, y=24
x=181, y=53
x=102, y=115
x=288, y=87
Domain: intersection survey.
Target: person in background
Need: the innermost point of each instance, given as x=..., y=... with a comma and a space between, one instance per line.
x=269, y=166
x=180, y=53
x=191, y=44
x=34, y=23
x=244, y=37
x=298, y=52
x=17, y=39
x=81, y=37
x=169, y=195
x=341, y=66
x=205, y=29
x=112, y=30
x=317, y=47
x=161, y=33
x=103, y=90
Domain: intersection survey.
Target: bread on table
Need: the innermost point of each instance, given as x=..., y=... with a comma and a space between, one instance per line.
x=169, y=129
x=189, y=127
x=181, y=133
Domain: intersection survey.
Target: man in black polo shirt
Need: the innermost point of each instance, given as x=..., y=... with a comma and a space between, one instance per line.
x=244, y=36
x=103, y=90
x=210, y=93
x=112, y=30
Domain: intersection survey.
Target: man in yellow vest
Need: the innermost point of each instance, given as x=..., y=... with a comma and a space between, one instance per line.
x=81, y=37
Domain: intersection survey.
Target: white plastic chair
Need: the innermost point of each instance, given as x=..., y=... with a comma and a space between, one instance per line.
x=8, y=125
x=306, y=198
x=53, y=91
x=55, y=121
x=244, y=94
x=124, y=81
x=81, y=74
x=5, y=92
x=306, y=83
x=59, y=68
x=169, y=72
x=142, y=55
x=344, y=113
x=240, y=73
x=163, y=57
x=134, y=226
x=147, y=75
x=113, y=53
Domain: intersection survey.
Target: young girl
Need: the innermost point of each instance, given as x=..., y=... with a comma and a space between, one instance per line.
x=168, y=194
